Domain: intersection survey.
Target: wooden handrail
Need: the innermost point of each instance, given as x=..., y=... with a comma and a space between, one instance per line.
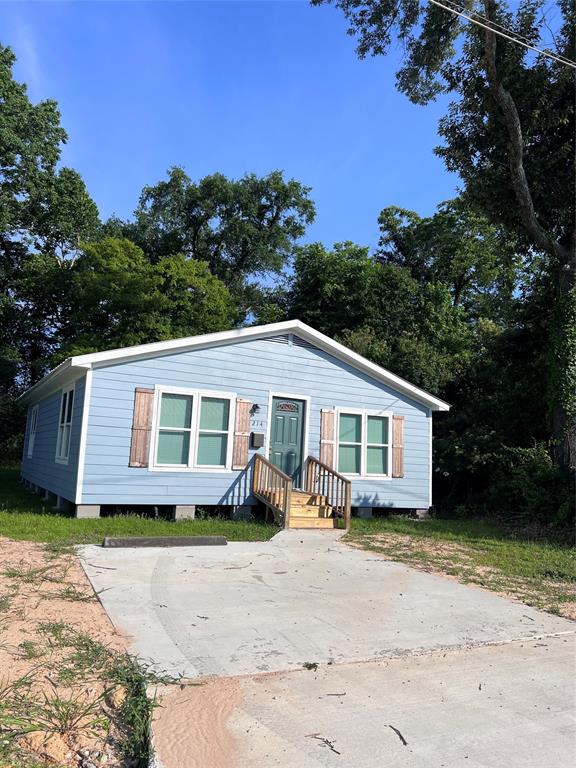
x=328, y=469
x=261, y=460
x=273, y=487
x=324, y=481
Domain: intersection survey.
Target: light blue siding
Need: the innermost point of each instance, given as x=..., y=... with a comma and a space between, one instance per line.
x=42, y=469
x=251, y=369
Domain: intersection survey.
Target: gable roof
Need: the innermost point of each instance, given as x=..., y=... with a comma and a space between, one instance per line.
x=72, y=366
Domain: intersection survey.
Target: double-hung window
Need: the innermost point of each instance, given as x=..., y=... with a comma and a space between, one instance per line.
x=364, y=443
x=32, y=430
x=65, y=425
x=193, y=430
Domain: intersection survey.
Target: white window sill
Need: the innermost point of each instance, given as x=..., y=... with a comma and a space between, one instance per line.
x=368, y=477
x=61, y=461
x=193, y=470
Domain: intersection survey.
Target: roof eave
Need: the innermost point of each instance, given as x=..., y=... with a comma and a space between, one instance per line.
x=51, y=381
x=144, y=351
x=373, y=370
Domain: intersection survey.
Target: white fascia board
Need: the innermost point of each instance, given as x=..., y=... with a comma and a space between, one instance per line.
x=375, y=371
x=63, y=374
x=144, y=351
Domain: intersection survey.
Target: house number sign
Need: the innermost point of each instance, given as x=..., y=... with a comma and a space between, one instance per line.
x=287, y=407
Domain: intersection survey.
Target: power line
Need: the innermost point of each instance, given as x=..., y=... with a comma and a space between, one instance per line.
x=492, y=27
x=478, y=15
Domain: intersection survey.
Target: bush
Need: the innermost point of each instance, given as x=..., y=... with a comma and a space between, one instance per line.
x=526, y=484
x=477, y=475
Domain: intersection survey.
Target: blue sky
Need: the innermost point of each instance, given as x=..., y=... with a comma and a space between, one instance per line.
x=233, y=87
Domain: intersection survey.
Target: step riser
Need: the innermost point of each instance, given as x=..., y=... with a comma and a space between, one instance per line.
x=310, y=511
x=307, y=503
x=311, y=522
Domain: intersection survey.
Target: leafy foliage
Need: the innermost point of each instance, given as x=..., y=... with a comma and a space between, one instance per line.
x=44, y=213
x=382, y=312
x=118, y=298
x=457, y=247
x=241, y=228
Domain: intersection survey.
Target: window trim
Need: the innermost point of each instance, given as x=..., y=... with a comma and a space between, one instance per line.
x=196, y=395
x=32, y=430
x=59, y=458
x=364, y=413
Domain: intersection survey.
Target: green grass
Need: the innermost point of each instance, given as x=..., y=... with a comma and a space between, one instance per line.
x=541, y=573
x=24, y=517
x=26, y=706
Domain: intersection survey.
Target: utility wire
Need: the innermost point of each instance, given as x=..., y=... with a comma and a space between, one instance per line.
x=486, y=23
x=477, y=15
x=477, y=18
x=490, y=26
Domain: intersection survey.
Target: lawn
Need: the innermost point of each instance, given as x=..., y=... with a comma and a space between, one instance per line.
x=25, y=517
x=539, y=573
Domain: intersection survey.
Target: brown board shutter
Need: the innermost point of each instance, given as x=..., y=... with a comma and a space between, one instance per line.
x=241, y=434
x=397, y=446
x=327, y=437
x=141, y=427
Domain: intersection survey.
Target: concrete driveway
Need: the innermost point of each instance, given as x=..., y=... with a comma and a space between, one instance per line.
x=246, y=610
x=301, y=597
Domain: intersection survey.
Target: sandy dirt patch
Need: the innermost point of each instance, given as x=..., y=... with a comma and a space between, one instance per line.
x=54, y=637
x=190, y=724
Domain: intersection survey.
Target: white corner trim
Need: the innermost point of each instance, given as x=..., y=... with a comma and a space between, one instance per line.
x=430, y=469
x=83, y=436
x=296, y=327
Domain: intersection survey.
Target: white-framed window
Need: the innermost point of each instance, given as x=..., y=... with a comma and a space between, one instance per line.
x=32, y=430
x=193, y=429
x=65, y=425
x=363, y=443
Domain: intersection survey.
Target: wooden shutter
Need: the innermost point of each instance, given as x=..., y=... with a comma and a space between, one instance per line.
x=241, y=434
x=141, y=427
x=397, y=446
x=327, y=437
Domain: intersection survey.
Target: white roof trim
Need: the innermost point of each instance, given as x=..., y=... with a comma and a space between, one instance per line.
x=143, y=351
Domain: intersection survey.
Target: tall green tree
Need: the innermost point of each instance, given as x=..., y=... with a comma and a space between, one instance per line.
x=243, y=229
x=509, y=134
x=382, y=312
x=45, y=212
x=118, y=298
x=456, y=246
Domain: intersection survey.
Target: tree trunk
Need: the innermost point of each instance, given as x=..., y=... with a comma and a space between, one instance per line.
x=563, y=406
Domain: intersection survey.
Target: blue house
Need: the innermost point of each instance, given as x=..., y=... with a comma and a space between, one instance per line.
x=276, y=414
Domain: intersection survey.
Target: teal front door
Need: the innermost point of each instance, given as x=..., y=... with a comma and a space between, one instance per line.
x=286, y=436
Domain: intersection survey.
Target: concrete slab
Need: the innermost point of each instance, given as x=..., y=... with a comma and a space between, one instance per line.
x=301, y=597
x=506, y=706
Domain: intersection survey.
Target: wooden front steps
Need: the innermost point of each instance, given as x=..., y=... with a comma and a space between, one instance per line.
x=323, y=504
x=309, y=511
